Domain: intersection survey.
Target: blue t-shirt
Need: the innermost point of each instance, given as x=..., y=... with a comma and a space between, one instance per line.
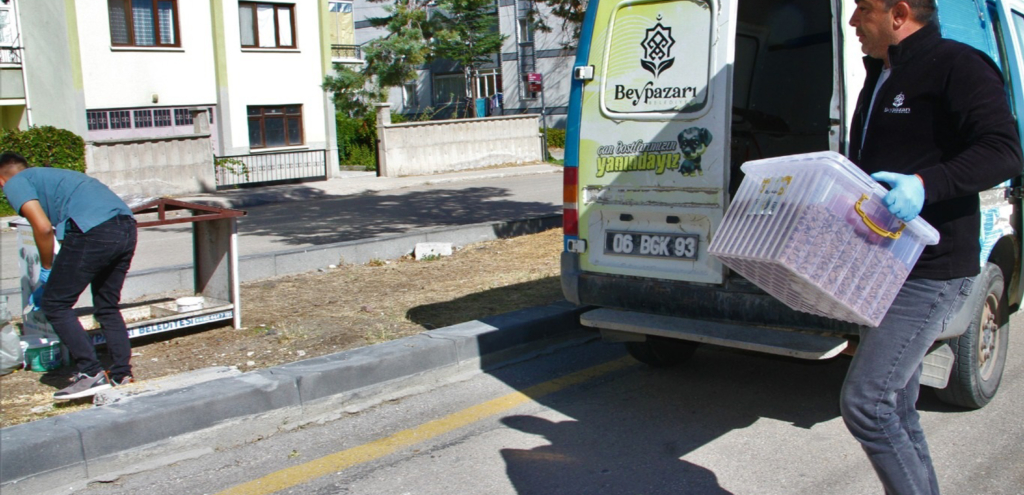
x=65, y=195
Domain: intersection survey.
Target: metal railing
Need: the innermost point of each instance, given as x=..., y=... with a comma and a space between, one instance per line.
x=352, y=52
x=264, y=169
x=10, y=55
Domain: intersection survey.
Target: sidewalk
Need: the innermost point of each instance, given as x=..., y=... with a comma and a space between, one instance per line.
x=349, y=183
x=351, y=202
x=183, y=418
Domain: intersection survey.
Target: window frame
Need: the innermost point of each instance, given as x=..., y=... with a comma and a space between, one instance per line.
x=130, y=25
x=277, y=28
x=456, y=98
x=285, y=115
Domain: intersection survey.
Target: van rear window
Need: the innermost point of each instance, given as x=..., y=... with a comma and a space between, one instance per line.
x=658, y=58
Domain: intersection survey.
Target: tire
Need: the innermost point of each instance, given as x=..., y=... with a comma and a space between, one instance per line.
x=661, y=352
x=980, y=353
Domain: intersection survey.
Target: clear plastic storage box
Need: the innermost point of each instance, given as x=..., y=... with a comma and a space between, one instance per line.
x=812, y=231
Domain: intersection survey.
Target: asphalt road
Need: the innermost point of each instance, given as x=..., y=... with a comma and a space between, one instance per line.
x=330, y=219
x=587, y=419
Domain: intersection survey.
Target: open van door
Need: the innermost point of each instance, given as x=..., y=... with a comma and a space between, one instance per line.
x=653, y=155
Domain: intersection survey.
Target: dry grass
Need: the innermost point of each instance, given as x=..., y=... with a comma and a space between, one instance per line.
x=302, y=316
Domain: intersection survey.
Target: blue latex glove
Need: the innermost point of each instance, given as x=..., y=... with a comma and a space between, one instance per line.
x=906, y=195
x=36, y=297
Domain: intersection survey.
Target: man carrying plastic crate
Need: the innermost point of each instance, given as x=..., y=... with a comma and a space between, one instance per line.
x=98, y=236
x=932, y=122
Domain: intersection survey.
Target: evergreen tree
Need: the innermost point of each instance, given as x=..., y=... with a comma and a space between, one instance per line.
x=467, y=33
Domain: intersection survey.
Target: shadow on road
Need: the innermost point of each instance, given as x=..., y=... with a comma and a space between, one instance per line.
x=616, y=443
x=486, y=303
x=373, y=214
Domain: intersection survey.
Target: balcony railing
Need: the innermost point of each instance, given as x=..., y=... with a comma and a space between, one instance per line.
x=346, y=52
x=10, y=55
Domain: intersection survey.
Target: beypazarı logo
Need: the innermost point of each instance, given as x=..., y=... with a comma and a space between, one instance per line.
x=657, y=45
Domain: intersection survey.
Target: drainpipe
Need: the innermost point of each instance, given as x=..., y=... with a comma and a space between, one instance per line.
x=24, y=65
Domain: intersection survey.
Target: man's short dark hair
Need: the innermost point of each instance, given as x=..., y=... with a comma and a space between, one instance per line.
x=10, y=159
x=923, y=10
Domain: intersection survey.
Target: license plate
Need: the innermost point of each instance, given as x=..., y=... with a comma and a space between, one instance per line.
x=679, y=246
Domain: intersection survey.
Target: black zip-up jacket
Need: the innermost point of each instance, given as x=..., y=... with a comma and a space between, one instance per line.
x=944, y=115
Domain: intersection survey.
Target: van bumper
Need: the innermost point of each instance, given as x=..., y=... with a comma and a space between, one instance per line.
x=736, y=301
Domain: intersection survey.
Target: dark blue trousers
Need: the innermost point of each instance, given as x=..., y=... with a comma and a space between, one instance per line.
x=100, y=257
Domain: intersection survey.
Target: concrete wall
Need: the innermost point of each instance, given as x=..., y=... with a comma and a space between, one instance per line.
x=52, y=64
x=157, y=166
x=424, y=148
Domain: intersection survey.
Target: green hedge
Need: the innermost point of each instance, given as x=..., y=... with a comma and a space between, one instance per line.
x=556, y=137
x=357, y=139
x=45, y=146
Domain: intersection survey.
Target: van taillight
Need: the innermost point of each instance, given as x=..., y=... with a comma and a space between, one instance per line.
x=570, y=194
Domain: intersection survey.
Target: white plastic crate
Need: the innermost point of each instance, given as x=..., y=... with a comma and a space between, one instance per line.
x=812, y=231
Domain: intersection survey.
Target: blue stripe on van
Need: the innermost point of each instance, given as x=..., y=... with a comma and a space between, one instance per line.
x=969, y=22
x=572, y=126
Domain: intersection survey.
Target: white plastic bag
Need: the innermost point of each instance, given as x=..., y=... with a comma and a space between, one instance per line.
x=11, y=356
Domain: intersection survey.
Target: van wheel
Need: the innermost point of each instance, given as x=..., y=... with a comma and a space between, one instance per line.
x=980, y=353
x=661, y=352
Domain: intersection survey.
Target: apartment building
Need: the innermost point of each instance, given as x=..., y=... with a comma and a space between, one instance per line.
x=130, y=69
x=503, y=84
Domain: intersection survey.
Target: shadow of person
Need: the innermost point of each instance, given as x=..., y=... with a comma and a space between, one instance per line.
x=648, y=431
x=579, y=462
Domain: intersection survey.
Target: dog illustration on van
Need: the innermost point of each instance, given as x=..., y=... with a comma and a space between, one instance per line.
x=693, y=142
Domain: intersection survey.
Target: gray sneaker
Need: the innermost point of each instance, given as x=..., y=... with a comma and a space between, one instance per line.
x=83, y=386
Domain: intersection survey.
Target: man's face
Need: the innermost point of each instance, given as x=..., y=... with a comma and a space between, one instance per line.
x=874, y=26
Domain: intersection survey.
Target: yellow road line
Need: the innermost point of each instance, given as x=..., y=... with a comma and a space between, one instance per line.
x=339, y=461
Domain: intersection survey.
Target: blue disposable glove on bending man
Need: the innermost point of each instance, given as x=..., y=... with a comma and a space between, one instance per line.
x=36, y=298
x=906, y=195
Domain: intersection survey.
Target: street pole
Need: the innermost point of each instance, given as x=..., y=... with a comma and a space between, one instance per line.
x=544, y=123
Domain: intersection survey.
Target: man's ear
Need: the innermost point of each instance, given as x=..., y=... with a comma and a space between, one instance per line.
x=900, y=14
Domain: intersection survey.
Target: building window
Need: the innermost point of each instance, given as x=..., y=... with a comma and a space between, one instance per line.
x=449, y=88
x=97, y=120
x=343, y=7
x=143, y=118
x=266, y=25
x=162, y=117
x=182, y=116
x=143, y=22
x=488, y=83
x=271, y=127
x=410, y=97
x=120, y=119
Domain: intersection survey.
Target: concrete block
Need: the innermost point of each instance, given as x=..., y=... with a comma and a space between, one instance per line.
x=432, y=249
x=351, y=370
x=126, y=425
x=42, y=446
x=493, y=335
x=172, y=382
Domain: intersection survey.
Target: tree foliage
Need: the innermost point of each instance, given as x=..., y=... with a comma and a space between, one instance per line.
x=570, y=14
x=418, y=32
x=467, y=33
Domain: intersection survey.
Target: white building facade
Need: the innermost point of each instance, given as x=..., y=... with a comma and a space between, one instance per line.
x=130, y=69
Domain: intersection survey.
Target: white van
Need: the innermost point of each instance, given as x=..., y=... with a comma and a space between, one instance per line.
x=668, y=99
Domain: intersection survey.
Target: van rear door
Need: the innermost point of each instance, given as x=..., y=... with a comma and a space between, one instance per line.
x=654, y=138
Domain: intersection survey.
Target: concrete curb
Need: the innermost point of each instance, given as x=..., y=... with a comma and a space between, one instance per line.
x=99, y=442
